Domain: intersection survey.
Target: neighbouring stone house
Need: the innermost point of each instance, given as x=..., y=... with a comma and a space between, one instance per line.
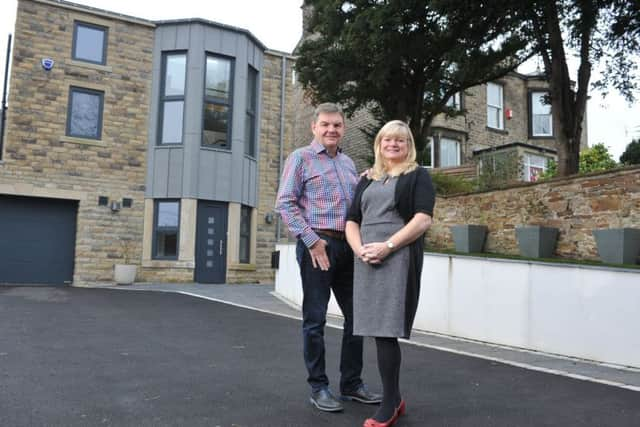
x=501, y=118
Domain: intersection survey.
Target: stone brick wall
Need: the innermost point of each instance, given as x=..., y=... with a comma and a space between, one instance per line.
x=270, y=128
x=574, y=205
x=40, y=159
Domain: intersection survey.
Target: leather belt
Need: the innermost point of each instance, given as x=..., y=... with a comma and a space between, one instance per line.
x=331, y=233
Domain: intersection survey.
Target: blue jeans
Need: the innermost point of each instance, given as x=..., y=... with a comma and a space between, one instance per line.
x=317, y=286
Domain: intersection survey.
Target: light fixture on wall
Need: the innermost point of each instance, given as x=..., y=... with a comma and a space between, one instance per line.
x=268, y=217
x=115, y=206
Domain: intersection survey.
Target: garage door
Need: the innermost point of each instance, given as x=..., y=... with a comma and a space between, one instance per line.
x=37, y=240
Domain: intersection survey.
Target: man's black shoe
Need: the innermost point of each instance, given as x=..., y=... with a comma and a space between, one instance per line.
x=324, y=400
x=362, y=395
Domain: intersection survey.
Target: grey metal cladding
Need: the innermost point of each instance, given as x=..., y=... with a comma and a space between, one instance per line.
x=190, y=170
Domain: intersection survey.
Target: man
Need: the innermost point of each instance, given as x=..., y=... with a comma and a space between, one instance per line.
x=318, y=182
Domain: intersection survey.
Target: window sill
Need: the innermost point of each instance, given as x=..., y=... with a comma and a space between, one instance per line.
x=153, y=263
x=496, y=130
x=220, y=149
x=541, y=137
x=82, y=141
x=242, y=267
x=90, y=66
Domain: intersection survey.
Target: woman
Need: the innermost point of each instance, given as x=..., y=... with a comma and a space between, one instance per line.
x=391, y=210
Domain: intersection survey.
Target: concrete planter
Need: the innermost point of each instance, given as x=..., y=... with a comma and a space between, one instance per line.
x=618, y=245
x=124, y=274
x=469, y=238
x=535, y=241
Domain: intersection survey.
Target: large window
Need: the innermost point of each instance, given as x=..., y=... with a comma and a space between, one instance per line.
x=541, y=120
x=533, y=166
x=166, y=227
x=449, y=152
x=427, y=159
x=174, y=66
x=84, y=114
x=495, y=106
x=245, y=235
x=89, y=43
x=252, y=108
x=454, y=102
x=217, y=103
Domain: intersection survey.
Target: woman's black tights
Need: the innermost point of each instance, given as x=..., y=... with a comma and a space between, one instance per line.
x=389, y=359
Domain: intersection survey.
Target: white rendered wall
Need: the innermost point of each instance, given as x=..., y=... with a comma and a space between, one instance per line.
x=578, y=311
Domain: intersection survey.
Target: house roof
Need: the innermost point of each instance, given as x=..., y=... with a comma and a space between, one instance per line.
x=108, y=14
x=213, y=24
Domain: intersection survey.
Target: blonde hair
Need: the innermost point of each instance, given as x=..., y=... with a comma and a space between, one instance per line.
x=394, y=128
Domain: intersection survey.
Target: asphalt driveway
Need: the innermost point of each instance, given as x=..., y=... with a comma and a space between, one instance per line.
x=101, y=357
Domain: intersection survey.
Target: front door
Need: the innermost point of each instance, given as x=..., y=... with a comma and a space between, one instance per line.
x=211, y=242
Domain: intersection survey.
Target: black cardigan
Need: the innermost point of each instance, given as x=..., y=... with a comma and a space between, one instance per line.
x=414, y=193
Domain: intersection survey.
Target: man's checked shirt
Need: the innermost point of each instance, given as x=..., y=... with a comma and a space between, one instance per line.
x=315, y=191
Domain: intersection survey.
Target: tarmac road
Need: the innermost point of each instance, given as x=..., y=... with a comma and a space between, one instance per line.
x=104, y=357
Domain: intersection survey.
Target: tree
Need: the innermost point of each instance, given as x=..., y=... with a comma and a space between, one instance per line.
x=599, y=31
x=593, y=159
x=631, y=155
x=404, y=59
x=596, y=158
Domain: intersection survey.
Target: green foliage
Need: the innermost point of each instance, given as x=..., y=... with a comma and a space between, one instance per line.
x=551, y=171
x=631, y=155
x=451, y=184
x=499, y=169
x=593, y=159
x=596, y=158
x=404, y=59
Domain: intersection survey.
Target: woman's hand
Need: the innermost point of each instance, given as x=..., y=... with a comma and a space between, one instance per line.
x=374, y=252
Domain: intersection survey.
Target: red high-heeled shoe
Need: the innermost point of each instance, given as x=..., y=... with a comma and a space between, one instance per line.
x=400, y=410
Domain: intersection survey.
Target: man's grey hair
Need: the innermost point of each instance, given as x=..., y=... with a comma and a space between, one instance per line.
x=327, y=108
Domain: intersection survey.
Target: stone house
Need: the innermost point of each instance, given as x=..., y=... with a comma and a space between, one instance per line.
x=505, y=117
x=161, y=144
x=127, y=140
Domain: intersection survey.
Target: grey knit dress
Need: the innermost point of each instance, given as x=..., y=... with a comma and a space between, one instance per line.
x=379, y=291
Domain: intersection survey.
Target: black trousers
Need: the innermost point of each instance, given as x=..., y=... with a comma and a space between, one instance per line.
x=317, y=286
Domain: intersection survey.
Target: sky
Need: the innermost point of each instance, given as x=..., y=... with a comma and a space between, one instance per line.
x=278, y=25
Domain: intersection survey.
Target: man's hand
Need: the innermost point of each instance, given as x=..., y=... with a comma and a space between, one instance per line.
x=319, y=256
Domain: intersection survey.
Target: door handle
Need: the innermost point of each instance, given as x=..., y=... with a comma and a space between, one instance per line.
x=220, y=247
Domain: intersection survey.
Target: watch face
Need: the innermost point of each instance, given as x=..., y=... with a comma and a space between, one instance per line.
x=390, y=245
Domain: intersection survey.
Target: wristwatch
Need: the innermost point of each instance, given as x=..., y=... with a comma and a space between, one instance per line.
x=390, y=245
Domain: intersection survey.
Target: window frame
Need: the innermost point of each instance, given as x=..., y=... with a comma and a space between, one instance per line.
x=251, y=140
x=154, y=245
x=455, y=101
x=430, y=143
x=532, y=135
x=501, y=124
x=458, y=152
x=105, y=31
x=527, y=164
x=164, y=99
x=218, y=101
x=247, y=236
x=89, y=91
